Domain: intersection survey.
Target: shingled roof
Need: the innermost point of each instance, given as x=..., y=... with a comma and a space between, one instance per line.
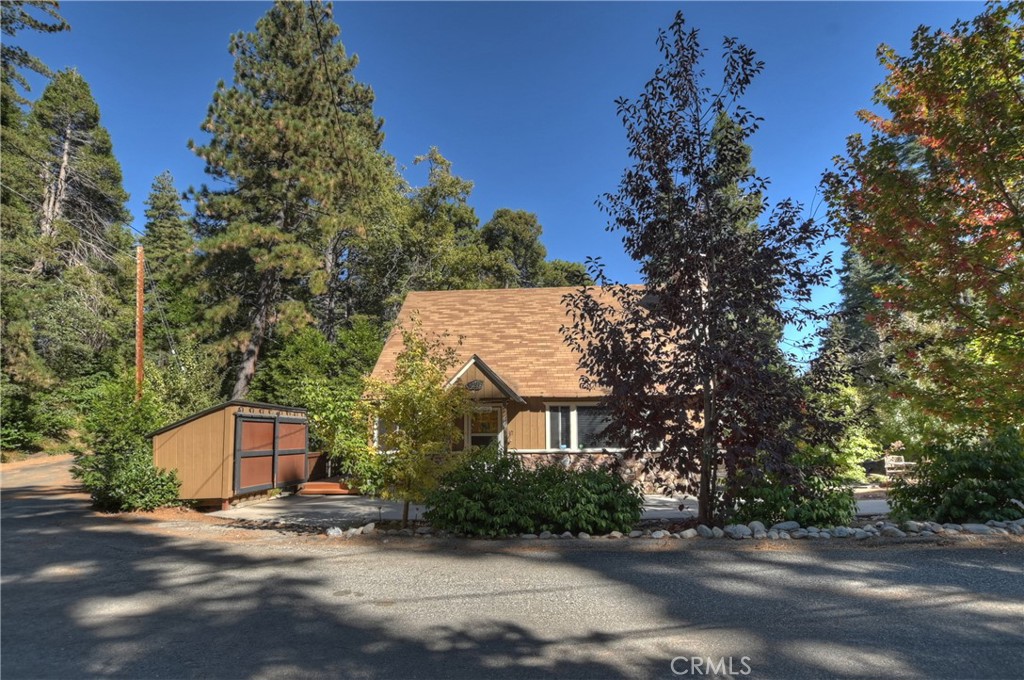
x=516, y=331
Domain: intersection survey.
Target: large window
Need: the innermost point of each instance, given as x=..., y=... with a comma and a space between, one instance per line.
x=578, y=427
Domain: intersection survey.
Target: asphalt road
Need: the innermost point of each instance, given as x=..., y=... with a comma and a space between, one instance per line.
x=86, y=595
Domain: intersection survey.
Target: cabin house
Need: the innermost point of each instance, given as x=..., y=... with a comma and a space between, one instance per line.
x=523, y=378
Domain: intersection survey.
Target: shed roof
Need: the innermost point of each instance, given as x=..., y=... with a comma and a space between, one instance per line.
x=515, y=331
x=223, y=405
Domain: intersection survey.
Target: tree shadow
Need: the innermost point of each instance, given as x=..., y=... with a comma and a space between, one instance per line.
x=89, y=595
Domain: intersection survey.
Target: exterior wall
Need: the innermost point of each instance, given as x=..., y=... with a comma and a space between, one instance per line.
x=200, y=452
x=488, y=392
x=526, y=425
x=527, y=431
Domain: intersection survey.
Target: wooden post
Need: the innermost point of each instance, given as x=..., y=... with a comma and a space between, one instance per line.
x=140, y=263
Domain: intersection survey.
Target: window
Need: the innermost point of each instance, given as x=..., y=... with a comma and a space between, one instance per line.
x=559, y=425
x=579, y=427
x=484, y=426
x=591, y=423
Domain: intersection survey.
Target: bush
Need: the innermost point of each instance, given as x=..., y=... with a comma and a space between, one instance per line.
x=126, y=481
x=964, y=480
x=119, y=473
x=493, y=494
x=813, y=497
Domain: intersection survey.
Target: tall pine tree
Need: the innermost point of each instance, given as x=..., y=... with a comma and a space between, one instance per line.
x=295, y=140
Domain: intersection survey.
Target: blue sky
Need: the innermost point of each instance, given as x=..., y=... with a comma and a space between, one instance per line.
x=519, y=96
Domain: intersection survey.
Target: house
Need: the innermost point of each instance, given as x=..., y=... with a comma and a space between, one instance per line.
x=523, y=378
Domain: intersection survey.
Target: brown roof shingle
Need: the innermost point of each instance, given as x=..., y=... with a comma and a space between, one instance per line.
x=516, y=331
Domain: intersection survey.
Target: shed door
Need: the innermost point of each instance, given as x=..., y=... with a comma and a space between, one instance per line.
x=270, y=451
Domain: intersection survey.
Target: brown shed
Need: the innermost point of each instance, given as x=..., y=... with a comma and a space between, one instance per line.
x=235, y=448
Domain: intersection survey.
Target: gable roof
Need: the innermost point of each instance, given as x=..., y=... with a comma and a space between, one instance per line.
x=516, y=331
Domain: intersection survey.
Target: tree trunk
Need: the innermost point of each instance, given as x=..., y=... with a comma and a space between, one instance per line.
x=405, y=514
x=261, y=325
x=708, y=456
x=53, y=198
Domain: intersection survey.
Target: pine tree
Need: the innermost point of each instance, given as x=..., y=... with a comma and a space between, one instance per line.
x=295, y=139
x=169, y=256
x=67, y=265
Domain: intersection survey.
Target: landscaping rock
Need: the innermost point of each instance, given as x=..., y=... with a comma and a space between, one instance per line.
x=674, y=535
x=842, y=532
x=1016, y=530
x=756, y=526
x=635, y=534
x=369, y=528
x=335, y=532
x=935, y=527
x=798, y=533
x=892, y=532
x=717, y=533
x=704, y=532
x=583, y=535
x=825, y=534
x=979, y=529
x=860, y=534
x=952, y=532
x=784, y=536
x=659, y=534
x=760, y=534
x=691, y=533
x=406, y=532
x=352, y=531
x=912, y=526
x=423, y=531
x=566, y=534
x=528, y=536
x=545, y=535
x=950, y=525
x=738, y=531
x=615, y=534
x=813, y=530
x=786, y=526
x=773, y=535
x=926, y=532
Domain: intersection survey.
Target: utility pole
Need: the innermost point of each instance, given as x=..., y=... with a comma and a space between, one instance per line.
x=140, y=264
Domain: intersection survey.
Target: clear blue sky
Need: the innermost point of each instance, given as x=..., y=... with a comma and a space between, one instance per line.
x=519, y=96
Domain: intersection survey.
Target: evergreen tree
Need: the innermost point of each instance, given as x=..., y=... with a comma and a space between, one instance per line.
x=514, y=235
x=67, y=261
x=15, y=16
x=169, y=256
x=295, y=139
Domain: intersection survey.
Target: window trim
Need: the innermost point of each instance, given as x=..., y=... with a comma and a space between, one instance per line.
x=573, y=429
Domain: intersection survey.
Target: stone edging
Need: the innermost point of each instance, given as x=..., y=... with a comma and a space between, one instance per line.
x=754, y=530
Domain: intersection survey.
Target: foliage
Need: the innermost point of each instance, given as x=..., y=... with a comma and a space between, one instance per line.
x=15, y=16
x=295, y=140
x=119, y=472
x=418, y=417
x=719, y=286
x=65, y=262
x=965, y=479
x=932, y=200
x=493, y=494
x=515, y=236
x=807, y=493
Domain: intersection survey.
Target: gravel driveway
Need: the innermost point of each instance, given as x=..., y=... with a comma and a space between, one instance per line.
x=87, y=595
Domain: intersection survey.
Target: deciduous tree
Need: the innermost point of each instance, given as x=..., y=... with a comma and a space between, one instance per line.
x=691, y=359
x=935, y=196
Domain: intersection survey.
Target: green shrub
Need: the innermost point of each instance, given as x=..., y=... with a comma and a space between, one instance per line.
x=119, y=474
x=963, y=480
x=125, y=482
x=815, y=500
x=493, y=494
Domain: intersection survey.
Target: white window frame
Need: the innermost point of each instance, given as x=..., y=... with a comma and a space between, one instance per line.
x=467, y=424
x=573, y=429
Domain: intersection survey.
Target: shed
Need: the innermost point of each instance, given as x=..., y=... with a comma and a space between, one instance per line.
x=235, y=448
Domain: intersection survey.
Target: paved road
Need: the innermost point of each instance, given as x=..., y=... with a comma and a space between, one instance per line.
x=85, y=595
